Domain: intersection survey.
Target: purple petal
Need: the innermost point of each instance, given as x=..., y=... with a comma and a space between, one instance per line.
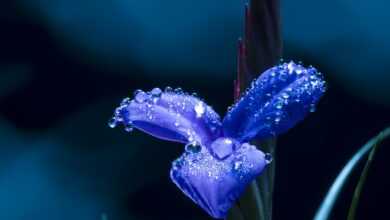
x=280, y=98
x=216, y=184
x=170, y=115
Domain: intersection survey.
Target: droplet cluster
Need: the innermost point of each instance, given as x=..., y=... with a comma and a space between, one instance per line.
x=275, y=101
x=121, y=114
x=170, y=108
x=198, y=161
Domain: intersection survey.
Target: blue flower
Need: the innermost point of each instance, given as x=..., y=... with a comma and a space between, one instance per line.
x=218, y=162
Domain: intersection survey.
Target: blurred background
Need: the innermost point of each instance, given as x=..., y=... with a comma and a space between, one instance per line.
x=66, y=64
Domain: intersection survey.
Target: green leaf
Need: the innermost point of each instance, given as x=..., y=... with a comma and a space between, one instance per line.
x=363, y=176
x=325, y=209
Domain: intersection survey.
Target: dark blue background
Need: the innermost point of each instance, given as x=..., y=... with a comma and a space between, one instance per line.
x=66, y=64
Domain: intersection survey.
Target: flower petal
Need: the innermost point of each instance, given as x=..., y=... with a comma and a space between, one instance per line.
x=276, y=101
x=169, y=115
x=215, y=184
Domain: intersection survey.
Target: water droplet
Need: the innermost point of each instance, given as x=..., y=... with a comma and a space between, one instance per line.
x=283, y=76
x=299, y=70
x=177, y=124
x=237, y=165
x=156, y=92
x=140, y=96
x=268, y=158
x=199, y=109
x=168, y=89
x=179, y=90
x=125, y=101
x=277, y=120
x=193, y=147
x=137, y=91
x=129, y=128
x=279, y=105
x=285, y=95
x=178, y=163
x=112, y=123
x=290, y=66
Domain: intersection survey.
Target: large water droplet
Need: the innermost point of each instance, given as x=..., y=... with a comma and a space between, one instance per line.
x=268, y=158
x=156, y=92
x=112, y=123
x=179, y=90
x=193, y=147
x=199, y=109
x=168, y=89
x=285, y=95
x=140, y=96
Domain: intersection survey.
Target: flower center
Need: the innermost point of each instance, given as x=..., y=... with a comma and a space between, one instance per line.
x=222, y=148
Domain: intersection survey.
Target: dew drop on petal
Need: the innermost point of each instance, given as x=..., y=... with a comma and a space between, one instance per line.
x=237, y=165
x=285, y=95
x=290, y=66
x=193, y=147
x=199, y=109
x=140, y=96
x=168, y=89
x=268, y=158
x=179, y=90
x=156, y=92
x=112, y=123
x=125, y=101
x=129, y=128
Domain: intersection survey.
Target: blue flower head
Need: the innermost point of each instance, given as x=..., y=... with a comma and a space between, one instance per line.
x=218, y=162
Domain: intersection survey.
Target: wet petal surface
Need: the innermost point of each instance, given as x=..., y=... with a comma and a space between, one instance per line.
x=281, y=97
x=170, y=115
x=215, y=184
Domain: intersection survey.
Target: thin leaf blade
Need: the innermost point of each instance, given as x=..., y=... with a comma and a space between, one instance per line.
x=326, y=206
x=363, y=177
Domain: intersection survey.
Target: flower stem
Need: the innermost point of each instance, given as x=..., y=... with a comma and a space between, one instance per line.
x=260, y=49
